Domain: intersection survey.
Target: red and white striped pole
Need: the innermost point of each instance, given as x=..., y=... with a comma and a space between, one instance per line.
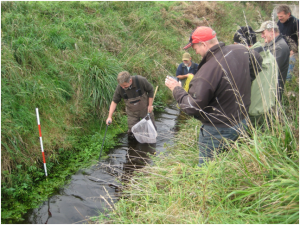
x=41, y=140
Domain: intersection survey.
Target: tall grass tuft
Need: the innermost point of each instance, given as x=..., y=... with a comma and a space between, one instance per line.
x=99, y=82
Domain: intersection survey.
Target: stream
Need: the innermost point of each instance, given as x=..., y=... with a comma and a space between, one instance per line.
x=97, y=188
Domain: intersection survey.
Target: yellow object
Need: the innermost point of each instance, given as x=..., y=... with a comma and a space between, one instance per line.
x=155, y=93
x=187, y=84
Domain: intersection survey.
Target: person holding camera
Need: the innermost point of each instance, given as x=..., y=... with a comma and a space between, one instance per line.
x=219, y=93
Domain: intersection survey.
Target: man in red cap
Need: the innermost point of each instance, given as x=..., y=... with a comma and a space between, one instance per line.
x=219, y=93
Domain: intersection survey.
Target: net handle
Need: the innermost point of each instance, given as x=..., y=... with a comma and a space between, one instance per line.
x=153, y=100
x=155, y=93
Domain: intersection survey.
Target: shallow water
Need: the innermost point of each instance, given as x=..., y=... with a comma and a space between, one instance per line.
x=95, y=189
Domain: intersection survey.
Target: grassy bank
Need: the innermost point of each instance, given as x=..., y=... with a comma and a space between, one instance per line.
x=63, y=57
x=26, y=190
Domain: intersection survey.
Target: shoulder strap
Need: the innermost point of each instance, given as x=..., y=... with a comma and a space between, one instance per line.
x=125, y=96
x=182, y=73
x=138, y=85
x=259, y=49
x=194, y=68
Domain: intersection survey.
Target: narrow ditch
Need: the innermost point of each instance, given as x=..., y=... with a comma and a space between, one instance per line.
x=97, y=188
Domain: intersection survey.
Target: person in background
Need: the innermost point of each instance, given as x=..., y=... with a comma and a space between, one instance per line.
x=289, y=29
x=137, y=93
x=279, y=48
x=247, y=37
x=263, y=88
x=186, y=68
x=219, y=93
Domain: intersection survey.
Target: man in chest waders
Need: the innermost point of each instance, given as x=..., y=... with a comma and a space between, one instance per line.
x=137, y=93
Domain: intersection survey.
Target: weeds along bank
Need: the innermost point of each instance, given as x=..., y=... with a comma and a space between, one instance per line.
x=63, y=57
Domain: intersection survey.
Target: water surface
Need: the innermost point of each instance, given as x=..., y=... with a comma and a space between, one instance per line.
x=97, y=188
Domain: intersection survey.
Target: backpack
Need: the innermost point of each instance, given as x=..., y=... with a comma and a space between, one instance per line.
x=264, y=87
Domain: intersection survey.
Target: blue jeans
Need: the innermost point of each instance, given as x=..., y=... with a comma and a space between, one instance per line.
x=291, y=67
x=211, y=139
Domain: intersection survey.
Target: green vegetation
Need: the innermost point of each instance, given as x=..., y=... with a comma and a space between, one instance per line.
x=63, y=57
x=255, y=182
x=27, y=189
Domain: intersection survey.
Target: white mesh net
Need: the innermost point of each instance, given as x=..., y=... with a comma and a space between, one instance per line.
x=144, y=131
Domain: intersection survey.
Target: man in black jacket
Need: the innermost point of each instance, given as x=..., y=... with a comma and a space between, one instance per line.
x=219, y=93
x=288, y=24
x=279, y=48
x=289, y=29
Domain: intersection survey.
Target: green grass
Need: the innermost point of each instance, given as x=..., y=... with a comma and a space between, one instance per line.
x=256, y=181
x=63, y=57
x=28, y=187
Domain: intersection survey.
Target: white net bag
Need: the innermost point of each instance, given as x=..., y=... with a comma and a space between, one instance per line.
x=144, y=131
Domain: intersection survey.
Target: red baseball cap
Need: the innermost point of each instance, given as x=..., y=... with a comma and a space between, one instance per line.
x=201, y=34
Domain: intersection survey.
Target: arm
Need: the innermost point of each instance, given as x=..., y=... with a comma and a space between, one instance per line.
x=199, y=95
x=150, y=106
x=295, y=36
x=179, y=74
x=112, y=108
x=149, y=88
x=282, y=55
x=197, y=98
x=180, y=77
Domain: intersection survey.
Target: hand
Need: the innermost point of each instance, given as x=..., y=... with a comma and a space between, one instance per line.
x=150, y=109
x=171, y=83
x=108, y=121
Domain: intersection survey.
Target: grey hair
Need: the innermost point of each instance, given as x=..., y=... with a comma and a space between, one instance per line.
x=283, y=8
x=123, y=77
x=213, y=41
